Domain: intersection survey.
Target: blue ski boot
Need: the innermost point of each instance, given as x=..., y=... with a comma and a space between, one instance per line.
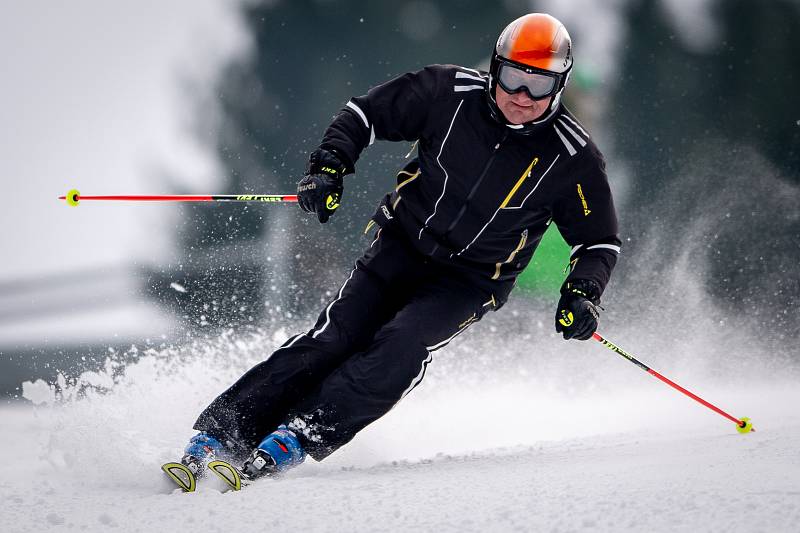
x=279, y=451
x=201, y=450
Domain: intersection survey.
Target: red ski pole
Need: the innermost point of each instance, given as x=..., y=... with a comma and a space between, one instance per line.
x=73, y=198
x=743, y=425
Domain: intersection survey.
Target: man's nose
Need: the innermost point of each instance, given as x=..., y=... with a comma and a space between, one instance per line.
x=522, y=98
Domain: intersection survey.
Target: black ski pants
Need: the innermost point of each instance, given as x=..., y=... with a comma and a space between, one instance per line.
x=369, y=348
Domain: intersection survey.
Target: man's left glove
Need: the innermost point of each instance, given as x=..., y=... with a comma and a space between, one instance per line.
x=320, y=190
x=576, y=316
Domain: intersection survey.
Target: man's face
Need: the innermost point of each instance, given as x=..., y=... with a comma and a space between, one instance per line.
x=519, y=108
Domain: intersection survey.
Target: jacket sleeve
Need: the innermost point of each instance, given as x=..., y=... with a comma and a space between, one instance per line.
x=395, y=111
x=585, y=215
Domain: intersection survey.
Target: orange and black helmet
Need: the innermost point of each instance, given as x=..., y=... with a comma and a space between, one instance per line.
x=532, y=54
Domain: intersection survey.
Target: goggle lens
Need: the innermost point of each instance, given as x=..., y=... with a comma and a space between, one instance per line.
x=514, y=80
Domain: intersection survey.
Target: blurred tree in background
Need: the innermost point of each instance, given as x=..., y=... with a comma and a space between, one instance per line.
x=675, y=96
x=708, y=126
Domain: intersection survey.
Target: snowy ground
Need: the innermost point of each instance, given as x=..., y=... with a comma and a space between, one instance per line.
x=578, y=441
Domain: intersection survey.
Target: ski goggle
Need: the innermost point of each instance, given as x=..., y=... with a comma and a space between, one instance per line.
x=537, y=83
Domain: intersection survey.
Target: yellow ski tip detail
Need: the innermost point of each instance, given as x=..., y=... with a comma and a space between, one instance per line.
x=73, y=197
x=227, y=473
x=746, y=427
x=181, y=475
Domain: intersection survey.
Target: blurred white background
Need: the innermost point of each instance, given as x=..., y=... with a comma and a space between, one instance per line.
x=94, y=97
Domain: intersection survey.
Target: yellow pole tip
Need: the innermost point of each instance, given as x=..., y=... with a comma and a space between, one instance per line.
x=746, y=427
x=73, y=197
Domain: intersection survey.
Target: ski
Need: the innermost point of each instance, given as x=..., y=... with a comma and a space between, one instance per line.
x=229, y=474
x=181, y=475
x=186, y=479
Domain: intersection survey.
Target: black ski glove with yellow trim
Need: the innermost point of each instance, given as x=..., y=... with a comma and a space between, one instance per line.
x=320, y=190
x=576, y=316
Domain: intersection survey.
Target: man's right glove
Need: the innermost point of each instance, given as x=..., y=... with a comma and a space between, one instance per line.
x=320, y=190
x=576, y=316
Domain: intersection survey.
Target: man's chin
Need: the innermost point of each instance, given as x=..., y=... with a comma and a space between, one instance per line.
x=518, y=121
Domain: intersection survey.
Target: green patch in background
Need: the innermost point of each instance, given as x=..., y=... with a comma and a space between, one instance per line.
x=545, y=273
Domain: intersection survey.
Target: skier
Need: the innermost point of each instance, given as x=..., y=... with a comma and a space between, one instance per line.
x=499, y=159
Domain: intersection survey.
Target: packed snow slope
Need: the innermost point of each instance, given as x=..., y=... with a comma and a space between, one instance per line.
x=513, y=429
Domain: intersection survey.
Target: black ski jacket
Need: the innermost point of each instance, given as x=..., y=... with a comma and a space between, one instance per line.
x=479, y=195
